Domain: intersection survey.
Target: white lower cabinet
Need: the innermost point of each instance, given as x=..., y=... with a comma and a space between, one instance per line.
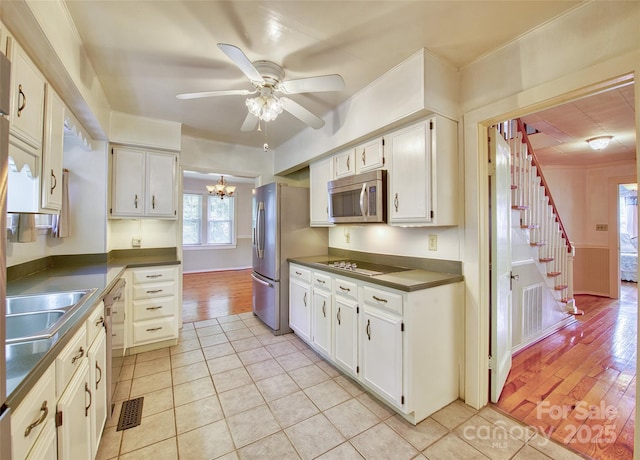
x=46, y=447
x=403, y=346
x=98, y=385
x=300, y=302
x=73, y=416
x=345, y=325
x=321, y=313
x=152, y=315
x=381, y=351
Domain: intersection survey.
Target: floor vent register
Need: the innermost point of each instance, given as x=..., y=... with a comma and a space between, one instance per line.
x=131, y=414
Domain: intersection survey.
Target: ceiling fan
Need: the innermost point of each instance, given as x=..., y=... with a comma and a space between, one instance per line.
x=268, y=79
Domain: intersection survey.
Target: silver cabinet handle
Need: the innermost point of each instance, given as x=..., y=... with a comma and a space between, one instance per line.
x=338, y=316
x=369, y=329
x=364, y=157
x=324, y=308
x=320, y=281
x=154, y=291
x=154, y=308
x=153, y=202
x=345, y=289
x=135, y=201
x=298, y=273
x=348, y=162
x=157, y=275
x=153, y=329
x=305, y=298
x=45, y=411
x=379, y=299
x=395, y=202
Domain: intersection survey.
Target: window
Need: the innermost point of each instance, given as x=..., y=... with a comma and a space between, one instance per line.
x=208, y=220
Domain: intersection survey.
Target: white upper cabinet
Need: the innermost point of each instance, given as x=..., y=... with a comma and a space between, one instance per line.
x=52, y=152
x=344, y=163
x=320, y=172
x=143, y=183
x=27, y=97
x=370, y=155
x=423, y=179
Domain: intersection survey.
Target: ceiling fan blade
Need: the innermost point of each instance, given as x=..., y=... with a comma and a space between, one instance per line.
x=301, y=113
x=312, y=84
x=229, y=92
x=249, y=123
x=241, y=61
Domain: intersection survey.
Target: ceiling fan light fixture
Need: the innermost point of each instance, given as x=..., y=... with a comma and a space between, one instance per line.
x=600, y=142
x=266, y=107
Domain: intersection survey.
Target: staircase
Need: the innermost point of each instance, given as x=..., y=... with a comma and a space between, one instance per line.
x=539, y=217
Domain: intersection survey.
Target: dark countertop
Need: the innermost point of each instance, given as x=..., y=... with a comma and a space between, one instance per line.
x=395, y=277
x=26, y=362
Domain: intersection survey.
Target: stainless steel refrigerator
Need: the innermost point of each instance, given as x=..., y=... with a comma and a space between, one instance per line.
x=280, y=230
x=5, y=427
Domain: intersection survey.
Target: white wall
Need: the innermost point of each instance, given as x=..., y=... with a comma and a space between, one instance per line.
x=203, y=259
x=87, y=209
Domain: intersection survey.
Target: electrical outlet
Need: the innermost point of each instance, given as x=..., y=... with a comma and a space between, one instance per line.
x=136, y=242
x=602, y=227
x=347, y=238
x=433, y=242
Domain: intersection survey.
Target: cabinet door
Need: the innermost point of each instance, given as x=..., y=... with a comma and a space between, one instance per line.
x=52, y=152
x=370, y=155
x=381, y=339
x=299, y=308
x=27, y=98
x=46, y=447
x=410, y=178
x=127, y=190
x=344, y=163
x=98, y=385
x=320, y=173
x=345, y=326
x=321, y=322
x=161, y=173
x=74, y=408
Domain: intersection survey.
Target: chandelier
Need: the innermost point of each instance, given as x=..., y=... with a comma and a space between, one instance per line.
x=266, y=106
x=221, y=189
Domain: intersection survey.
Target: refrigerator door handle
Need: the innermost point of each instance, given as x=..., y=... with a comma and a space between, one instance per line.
x=261, y=281
x=260, y=230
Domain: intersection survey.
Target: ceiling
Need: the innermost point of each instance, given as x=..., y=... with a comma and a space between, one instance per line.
x=146, y=52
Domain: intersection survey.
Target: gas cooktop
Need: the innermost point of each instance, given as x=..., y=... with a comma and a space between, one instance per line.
x=363, y=268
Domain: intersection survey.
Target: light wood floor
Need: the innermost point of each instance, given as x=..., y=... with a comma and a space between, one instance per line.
x=214, y=294
x=552, y=385
x=578, y=385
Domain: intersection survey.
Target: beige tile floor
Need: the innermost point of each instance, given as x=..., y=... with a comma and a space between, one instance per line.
x=231, y=389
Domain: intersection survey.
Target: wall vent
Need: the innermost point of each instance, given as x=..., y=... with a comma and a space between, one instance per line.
x=531, y=310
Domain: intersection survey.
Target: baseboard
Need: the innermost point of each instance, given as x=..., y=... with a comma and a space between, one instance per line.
x=184, y=272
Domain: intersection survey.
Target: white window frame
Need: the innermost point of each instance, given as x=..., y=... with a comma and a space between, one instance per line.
x=204, y=223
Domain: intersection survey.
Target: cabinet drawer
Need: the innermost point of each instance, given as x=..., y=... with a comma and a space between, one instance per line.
x=300, y=273
x=345, y=288
x=149, y=291
x=153, y=308
x=95, y=323
x=154, y=275
x=36, y=410
x=70, y=359
x=321, y=281
x=154, y=331
x=383, y=299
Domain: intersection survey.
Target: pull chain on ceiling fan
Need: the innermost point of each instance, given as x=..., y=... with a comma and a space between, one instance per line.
x=268, y=79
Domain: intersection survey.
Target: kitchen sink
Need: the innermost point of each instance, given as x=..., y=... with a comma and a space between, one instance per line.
x=29, y=325
x=40, y=316
x=45, y=301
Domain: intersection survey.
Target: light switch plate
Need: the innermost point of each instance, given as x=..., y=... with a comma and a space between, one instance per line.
x=136, y=242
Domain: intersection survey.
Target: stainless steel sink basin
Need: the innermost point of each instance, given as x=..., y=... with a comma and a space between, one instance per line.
x=40, y=316
x=22, y=325
x=42, y=302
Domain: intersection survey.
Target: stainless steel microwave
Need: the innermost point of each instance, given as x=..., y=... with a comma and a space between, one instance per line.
x=359, y=199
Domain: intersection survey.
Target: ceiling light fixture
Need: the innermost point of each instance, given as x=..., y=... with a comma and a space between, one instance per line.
x=600, y=142
x=221, y=189
x=266, y=107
